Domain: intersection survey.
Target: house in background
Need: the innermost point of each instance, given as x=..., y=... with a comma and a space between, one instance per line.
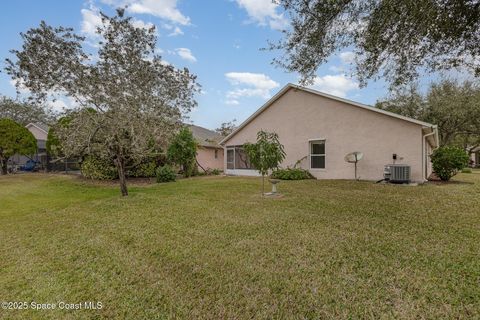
x=209, y=151
x=40, y=132
x=475, y=157
x=318, y=130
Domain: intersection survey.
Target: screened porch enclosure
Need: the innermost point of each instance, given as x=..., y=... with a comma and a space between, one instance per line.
x=237, y=159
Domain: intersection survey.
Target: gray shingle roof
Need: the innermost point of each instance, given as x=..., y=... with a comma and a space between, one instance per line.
x=42, y=126
x=205, y=137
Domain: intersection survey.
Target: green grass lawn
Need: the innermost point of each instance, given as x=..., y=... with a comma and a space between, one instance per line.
x=212, y=248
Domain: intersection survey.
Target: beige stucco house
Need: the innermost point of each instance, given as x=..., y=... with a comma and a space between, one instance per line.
x=475, y=157
x=317, y=130
x=209, y=151
x=40, y=132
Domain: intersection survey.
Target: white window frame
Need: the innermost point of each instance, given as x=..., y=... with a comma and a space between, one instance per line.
x=226, y=157
x=311, y=142
x=234, y=149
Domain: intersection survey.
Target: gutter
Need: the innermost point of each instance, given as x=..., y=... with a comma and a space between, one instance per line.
x=424, y=156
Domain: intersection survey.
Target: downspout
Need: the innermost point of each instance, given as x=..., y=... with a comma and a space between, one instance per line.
x=424, y=156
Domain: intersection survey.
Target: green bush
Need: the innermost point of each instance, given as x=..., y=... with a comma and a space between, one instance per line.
x=447, y=161
x=183, y=151
x=98, y=169
x=215, y=172
x=291, y=174
x=144, y=170
x=165, y=174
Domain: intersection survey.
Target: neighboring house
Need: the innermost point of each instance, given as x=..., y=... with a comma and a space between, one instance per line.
x=317, y=130
x=209, y=152
x=40, y=132
x=475, y=157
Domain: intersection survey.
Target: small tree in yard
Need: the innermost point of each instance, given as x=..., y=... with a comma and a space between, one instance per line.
x=183, y=151
x=14, y=139
x=54, y=145
x=138, y=101
x=266, y=154
x=448, y=161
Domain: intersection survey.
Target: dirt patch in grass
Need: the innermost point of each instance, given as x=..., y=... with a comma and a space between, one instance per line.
x=130, y=181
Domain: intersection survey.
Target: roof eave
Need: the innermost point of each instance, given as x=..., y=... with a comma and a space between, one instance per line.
x=256, y=113
x=325, y=95
x=36, y=126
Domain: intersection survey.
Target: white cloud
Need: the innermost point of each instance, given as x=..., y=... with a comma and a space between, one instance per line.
x=141, y=24
x=337, y=85
x=347, y=57
x=232, y=102
x=336, y=69
x=165, y=9
x=186, y=54
x=264, y=12
x=91, y=20
x=57, y=105
x=176, y=32
x=249, y=85
x=56, y=102
x=21, y=86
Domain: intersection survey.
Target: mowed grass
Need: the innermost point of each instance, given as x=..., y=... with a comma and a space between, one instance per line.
x=212, y=248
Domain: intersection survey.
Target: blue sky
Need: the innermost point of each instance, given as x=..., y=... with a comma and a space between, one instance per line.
x=218, y=40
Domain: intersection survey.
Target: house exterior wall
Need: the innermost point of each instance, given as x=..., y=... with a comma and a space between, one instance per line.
x=37, y=133
x=40, y=155
x=299, y=116
x=475, y=158
x=206, y=158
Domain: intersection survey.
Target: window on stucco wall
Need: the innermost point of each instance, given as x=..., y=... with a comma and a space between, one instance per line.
x=317, y=154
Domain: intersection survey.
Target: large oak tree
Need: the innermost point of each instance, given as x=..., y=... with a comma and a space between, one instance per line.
x=454, y=107
x=392, y=38
x=129, y=102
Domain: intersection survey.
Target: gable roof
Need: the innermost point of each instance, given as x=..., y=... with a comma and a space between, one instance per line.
x=205, y=137
x=38, y=125
x=325, y=95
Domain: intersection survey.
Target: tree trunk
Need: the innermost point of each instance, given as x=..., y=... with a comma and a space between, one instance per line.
x=198, y=163
x=4, y=167
x=120, y=164
x=263, y=185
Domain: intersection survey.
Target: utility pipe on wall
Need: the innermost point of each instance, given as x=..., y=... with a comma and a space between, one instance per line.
x=424, y=156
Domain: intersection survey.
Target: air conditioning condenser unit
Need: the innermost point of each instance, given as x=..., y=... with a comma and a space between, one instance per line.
x=397, y=173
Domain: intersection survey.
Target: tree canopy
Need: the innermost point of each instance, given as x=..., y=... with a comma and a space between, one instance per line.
x=183, y=151
x=454, y=107
x=129, y=102
x=53, y=144
x=226, y=128
x=23, y=112
x=394, y=39
x=14, y=139
x=265, y=154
